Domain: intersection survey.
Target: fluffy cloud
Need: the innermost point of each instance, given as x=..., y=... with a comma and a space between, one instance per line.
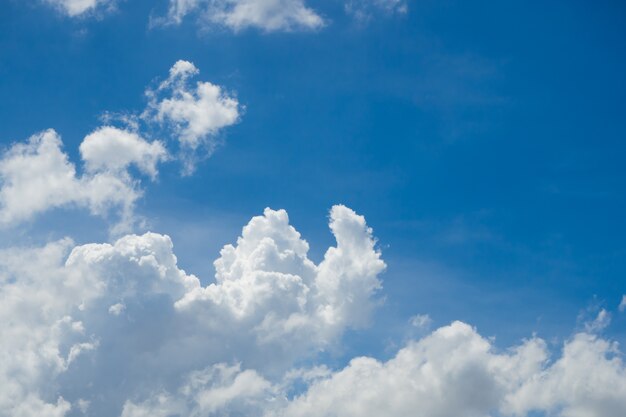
x=111, y=149
x=74, y=8
x=36, y=176
x=216, y=390
x=38, y=337
x=120, y=329
x=278, y=299
x=237, y=15
x=456, y=372
x=128, y=306
x=267, y=15
x=589, y=379
x=195, y=115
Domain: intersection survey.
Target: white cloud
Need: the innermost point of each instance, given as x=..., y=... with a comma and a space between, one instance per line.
x=37, y=175
x=589, y=379
x=622, y=304
x=365, y=10
x=267, y=15
x=421, y=321
x=209, y=392
x=599, y=323
x=112, y=149
x=74, y=8
x=195, y=115
x=127, y=306
x=38, y=337
x=182, y=349
x=456, y=372
x=452, y=372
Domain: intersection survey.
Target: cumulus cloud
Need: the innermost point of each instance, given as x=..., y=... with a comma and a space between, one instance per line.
x=121, y=329
x=456, y=372
x=194, y=114
x=267, y=15
x=212, y=391
x=128, y=306
x=37, y=175
x=74, y=8
x=38, y=337
x=112, y=149
x=622, y=304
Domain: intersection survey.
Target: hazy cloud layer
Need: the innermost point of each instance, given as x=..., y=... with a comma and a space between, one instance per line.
x=78, y=8
x=267, y=15
x=238, y=15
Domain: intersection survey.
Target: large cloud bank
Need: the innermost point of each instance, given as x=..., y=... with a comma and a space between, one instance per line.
x=120, y=329
x=110, y=320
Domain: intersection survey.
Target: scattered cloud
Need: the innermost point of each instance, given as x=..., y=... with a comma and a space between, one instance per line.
x=421, y=321
x=267, y=15
x=238, y=15
x=76, y=8
x=194, y=115
x=114, y=150
x=602, y=320
x=622, y=304
x=37, y=175
x=271, y=15
x=365, y=10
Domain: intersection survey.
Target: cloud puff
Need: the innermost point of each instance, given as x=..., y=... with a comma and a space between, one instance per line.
x=127, y=306
x=36, y=176
x=114, y=150
x=217, y=389
x=38, y=337
x=267, y=15
x=456, y=372
x=74, y=8
x=194, y=114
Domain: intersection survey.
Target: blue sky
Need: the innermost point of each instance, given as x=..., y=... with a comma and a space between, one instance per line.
x=482, y=141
